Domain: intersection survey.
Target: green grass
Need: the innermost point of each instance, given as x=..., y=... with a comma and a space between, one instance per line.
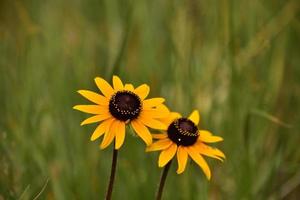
x=235, y=61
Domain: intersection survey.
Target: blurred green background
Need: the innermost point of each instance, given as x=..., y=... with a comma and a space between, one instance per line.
x=237, y=61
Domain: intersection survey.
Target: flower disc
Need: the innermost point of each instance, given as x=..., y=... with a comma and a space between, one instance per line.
x=183, y=132
x=125, y=105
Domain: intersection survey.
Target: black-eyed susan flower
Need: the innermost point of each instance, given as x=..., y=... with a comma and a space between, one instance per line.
x=121, y=105
x=184, y=139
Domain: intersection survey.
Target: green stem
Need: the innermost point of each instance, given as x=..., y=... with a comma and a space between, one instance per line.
x=112, y=175
x=163, y=180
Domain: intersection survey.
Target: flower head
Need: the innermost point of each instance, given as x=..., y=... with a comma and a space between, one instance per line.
x=185, y=139
x=121, y=105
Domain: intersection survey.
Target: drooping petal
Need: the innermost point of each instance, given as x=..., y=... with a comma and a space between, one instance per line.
x=104, y=87
x=208, y=137
x=159, y=135
x=96, y=118
x=159, y=145
x=195, y=117
x=210, y=151
x=182, y=157
x=166, y=155
x=117, y=83
x=142, y=91
x=100, y=130
x=199, y=160
x=129, y=87
x=94, y=97
x=109, y=135
x=120, y=135
x=152, y=123
x=142, y=131
x=149, y=103
x=91, y=109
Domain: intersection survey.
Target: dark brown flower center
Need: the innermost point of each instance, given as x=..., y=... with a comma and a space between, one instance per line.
x=183, y=132
x=125, y=105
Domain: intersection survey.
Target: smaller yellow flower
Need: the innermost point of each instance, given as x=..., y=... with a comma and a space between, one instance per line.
x=185, y=139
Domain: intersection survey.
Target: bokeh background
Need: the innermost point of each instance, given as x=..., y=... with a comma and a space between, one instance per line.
x=237, y=61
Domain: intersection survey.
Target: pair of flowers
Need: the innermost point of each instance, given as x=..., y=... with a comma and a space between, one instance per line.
x=122, y=104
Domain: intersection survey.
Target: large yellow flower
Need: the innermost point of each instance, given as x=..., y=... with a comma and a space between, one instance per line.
x=120, y=105
x=185, y=139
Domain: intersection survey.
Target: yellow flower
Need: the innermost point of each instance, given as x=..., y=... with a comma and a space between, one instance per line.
x=120, y=105
x=185, y=139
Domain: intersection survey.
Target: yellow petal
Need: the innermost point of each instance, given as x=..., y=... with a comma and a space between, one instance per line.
x=152, y=123
x=166, y=155
x=100, y=130
x=199, y=160
x=142, y=91
x=149, y=103
x=182, y=157
x=160, y=107
x=170, y=118
x=118, y=85
x=160, y=111
x=92, y=109
x=109, y=135
x=194, y=117
x=104, y=87
x=94, y=97
x=142, y=131
x=206, y=136
x=159, y=135
x=154, y=113
x=163, y=109
x=96, y=118
x=129, y=87
x=210, y=151
x=159, y=145
x=120, y=135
